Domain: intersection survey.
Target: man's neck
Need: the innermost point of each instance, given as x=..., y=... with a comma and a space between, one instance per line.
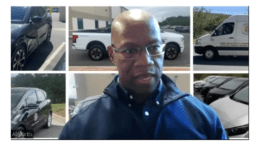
x=138, y=97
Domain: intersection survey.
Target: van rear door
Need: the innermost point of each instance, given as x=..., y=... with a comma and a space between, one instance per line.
x=242, y=35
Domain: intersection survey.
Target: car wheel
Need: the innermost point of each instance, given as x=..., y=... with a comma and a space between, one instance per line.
x=49, y=120
x=20, y=132
x=19, y=58
x=172, y=51
x=48, y=38
x=210, y=54
x=96, y=52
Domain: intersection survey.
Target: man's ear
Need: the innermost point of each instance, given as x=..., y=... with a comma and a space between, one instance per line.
x=111, y=54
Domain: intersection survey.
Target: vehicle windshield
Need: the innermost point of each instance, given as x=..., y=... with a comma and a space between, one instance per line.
x=212, y=79
x=207, y=78
x=16, y=96
x=242, y=95
x=233, y=84
x=219, y=81
x=18, y=13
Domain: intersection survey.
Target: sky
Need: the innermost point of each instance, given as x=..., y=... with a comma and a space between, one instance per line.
x=161, y=13
x=229, y=10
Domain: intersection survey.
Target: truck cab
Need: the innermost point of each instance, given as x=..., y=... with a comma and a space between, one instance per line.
x=230, y=38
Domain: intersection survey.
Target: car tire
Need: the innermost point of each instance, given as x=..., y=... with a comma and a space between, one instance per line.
x=18, y=59
x=48, y=122
x=96, y=52
x=210, y=54
x=172, y=51
x=48, y=38
x=20, y=133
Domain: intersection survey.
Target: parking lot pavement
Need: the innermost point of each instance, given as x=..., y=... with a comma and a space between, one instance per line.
x=223, y=63
x=49, y=53
x=79, y=59
x=54, y=131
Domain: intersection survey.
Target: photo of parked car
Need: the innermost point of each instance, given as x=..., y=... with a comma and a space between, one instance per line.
x=233, y=113
x=30, y=109
x=198, y=85
x=216, y=83
x=228, y=88
x=30, y=27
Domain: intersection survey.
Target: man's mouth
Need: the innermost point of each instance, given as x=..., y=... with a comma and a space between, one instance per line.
x=145, y=77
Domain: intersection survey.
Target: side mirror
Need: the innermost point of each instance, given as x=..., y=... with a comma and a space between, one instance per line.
x=32, y=106
x=36, y=19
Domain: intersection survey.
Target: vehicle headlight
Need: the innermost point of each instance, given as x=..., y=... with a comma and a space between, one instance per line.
x=237, y=130
x=198, y=42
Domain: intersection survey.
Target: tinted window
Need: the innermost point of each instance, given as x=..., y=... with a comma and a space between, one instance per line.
x=31, y=98
x=42, y=11
x=18, y=13
x=242, y=95
x=35, y=12
x=16, y=96
x=219, y=81
x=40, y=95
x=233, y=84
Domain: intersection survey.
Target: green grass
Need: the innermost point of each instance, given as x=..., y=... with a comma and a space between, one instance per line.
x=59, y=109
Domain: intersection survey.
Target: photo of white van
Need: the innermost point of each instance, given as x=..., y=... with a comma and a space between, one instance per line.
x=230, y=38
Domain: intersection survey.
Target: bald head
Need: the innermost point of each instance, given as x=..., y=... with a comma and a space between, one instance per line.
x=136, y=24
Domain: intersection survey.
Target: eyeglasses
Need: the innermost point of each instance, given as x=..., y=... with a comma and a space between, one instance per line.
x=133, y=52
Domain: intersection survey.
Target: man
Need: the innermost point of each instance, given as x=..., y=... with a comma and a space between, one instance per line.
x=142, y=103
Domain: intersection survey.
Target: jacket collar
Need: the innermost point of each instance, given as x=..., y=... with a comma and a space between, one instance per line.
x=170, y=90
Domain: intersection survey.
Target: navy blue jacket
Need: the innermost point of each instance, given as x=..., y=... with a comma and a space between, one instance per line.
x=178, y=116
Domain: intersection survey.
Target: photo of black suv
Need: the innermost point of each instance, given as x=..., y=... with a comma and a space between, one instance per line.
x=30, y=27
x=30, y=109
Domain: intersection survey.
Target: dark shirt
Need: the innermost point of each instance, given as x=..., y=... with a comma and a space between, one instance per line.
x=168, y=114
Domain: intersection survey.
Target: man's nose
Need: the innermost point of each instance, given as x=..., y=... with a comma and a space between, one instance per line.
x=144, y=59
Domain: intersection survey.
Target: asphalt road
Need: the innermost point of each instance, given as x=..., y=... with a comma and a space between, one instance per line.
x=54, y=131
x=46, y=56
x=81, y=58
x=223, y=63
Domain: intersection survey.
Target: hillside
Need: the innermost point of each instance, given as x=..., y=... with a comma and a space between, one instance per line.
x=180, y=20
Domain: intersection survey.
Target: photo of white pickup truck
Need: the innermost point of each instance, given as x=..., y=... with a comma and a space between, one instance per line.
x=96, y=42
x=230, y=38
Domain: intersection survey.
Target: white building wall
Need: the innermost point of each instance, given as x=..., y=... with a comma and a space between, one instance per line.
x=115, y=12
x=75, y=23
x=88, y=24
x=101, y=23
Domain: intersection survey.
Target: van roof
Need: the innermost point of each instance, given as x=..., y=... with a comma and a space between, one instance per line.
x=236, y=17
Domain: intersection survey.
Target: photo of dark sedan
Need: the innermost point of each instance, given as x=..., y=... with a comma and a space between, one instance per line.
x=30, y=27
x=30, y=109
x=216, y=83
x=228, y=88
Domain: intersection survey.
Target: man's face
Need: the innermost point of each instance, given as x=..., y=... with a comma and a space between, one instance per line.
x=142, y=74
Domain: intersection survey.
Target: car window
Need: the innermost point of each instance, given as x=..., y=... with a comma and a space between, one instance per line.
x=219, y=81
x=212, y=79
x=242, y=95
x=35, y=12
x=31, y=98
x=16, y=96
x=233, y=84
x=225, y=29
x=41, y=96
x=18, y=13
x=42, y=11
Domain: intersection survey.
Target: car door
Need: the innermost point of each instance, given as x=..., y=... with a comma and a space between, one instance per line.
x=33, y=115
x=40, y=28
x=43, y=24
x=224, y=39
x=43, y=111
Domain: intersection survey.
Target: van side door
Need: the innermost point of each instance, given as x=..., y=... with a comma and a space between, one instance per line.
x=224, y=39
x=242, y=37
